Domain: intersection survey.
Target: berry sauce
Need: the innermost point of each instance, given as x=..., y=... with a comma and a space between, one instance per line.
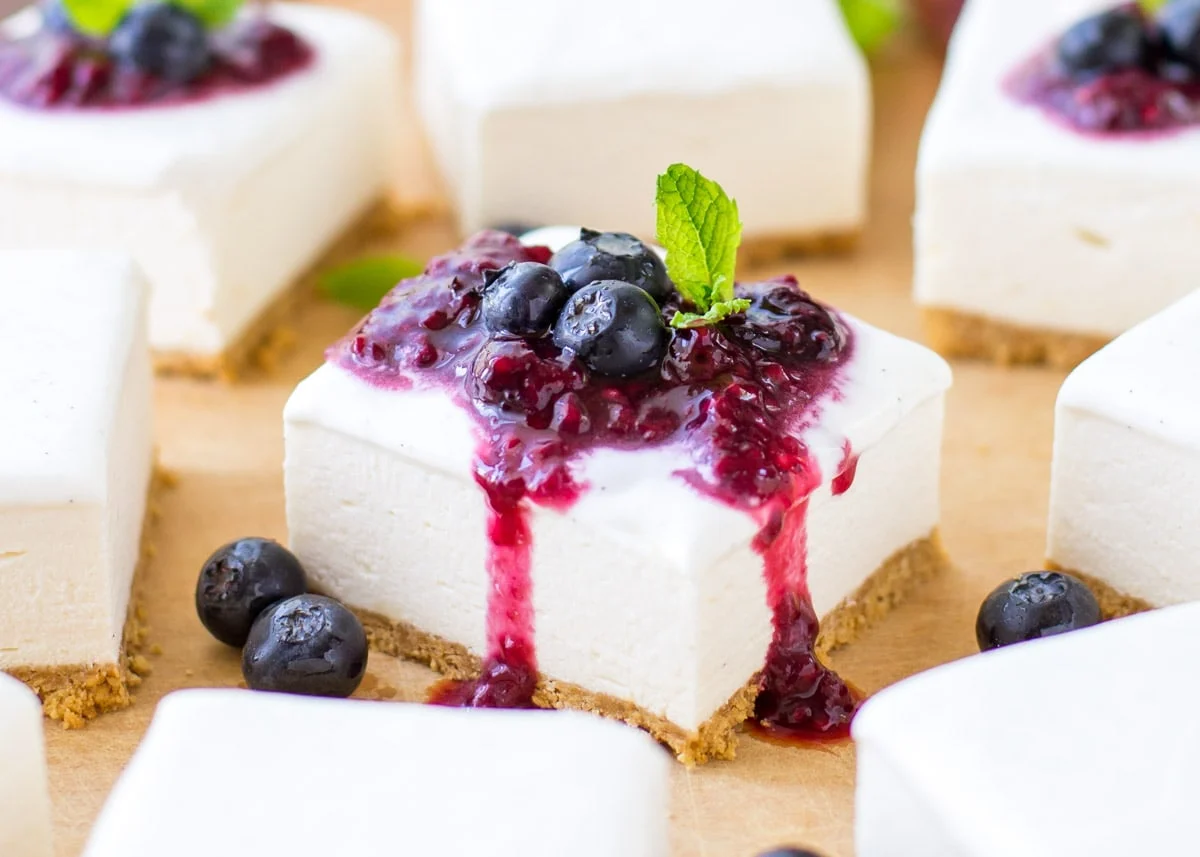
x=61, y=71
x=734, y=396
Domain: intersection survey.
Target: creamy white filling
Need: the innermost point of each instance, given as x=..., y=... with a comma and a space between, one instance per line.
x=1127, y=458
x=223, y=202
x=384, y=513
x=1022, y=220
x=25, y=829
x=629, y=86
x=393, y=779
x=75, y=455
x=1014, y=751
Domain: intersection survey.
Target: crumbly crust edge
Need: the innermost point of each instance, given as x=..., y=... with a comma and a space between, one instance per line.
x=898, y=576
x=953, y=333
x=764, y=249
x=75, y=695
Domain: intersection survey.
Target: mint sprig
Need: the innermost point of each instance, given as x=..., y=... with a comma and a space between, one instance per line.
x=698, y=224
x=871, y=22
x=1152, y=6
x=361, y=284
x=99, y=18
x=96, y=17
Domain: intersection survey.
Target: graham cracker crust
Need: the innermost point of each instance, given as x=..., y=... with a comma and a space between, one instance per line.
x=1113, y=603
x=269, y=336
x=717, y=737
x=74, y=695
x=959, y=334
x=764, y=249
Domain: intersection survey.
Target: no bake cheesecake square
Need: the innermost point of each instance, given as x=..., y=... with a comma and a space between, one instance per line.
x=526, y=105
x=1127, y=463
x=75, y=469
x=226, y=200
x=1036, y=242
x=25, y=828
x=646, y=598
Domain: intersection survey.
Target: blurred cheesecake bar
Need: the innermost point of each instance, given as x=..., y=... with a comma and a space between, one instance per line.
x=226, y=160
x=75, y=469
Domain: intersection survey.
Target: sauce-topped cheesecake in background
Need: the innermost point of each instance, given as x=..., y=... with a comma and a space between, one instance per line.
x=569, y=475
x=548, y=112
x=1056, y=188
x=226, y=150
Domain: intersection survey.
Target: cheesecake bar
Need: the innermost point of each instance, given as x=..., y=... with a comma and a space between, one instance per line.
x=1041, y=748
x=1126, y=460
x=648, y=535
x=24, y=794
x=390, y=778
x=1055, y=192
x=227, y=189
x=527, y=104
x=75, y=469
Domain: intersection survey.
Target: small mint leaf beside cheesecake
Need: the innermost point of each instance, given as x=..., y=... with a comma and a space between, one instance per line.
x=214, y=13
x=871, y=22
x=96, y=17
x=362, y=284
x=699, y=226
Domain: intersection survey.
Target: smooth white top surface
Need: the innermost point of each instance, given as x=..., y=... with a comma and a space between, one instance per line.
x=1084, y=743
x=245, y=773
x=200, y=149
x=548, y=52
x=637, y=496
x=66, y=325
x=1148, y=378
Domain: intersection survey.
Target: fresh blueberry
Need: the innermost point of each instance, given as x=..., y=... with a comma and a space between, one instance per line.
x=1111, y=41
x=523, y=299
x=1179, y=25
x=789, y=852
x=1037, y=604
x=241, y=580
x=308, y=644
x=163, y=40
x=614, y=328
x=599, y=256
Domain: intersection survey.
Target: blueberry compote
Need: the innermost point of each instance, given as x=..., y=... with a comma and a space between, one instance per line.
x=1120, y=72
x=734, y=396
x=159, y=55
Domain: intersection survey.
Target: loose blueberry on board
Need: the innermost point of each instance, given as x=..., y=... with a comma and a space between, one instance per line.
x=1037, y=604
x=523, y=299
x=1115, y=40
x=599, y=256
x=163, y=40
x=241, y=580
x=1179, y=27
x=615, y=328
x=789, y=852
x=310, y=645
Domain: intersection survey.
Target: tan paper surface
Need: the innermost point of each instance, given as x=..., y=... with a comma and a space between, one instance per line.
x=224, y=444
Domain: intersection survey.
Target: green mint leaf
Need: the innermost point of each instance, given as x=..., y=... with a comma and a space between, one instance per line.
x=715, y=313
x=214, y=13
x=698, y=225
x=361, y=284
x=871, y=22
x=96, y=17
x=1152, y=6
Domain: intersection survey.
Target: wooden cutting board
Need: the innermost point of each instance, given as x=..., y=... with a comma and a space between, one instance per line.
x=224, y=445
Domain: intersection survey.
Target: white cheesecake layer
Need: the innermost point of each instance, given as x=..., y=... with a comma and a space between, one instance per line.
x=1127, y=460
x=385, y=778
x=525, y=109
x=25, y=829
x=223, y=203
x=385, y=515
x=75, y=453
x=1075, y=744
x=1022, y=220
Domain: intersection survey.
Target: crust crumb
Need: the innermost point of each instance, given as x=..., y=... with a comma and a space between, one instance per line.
x=958, y=334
